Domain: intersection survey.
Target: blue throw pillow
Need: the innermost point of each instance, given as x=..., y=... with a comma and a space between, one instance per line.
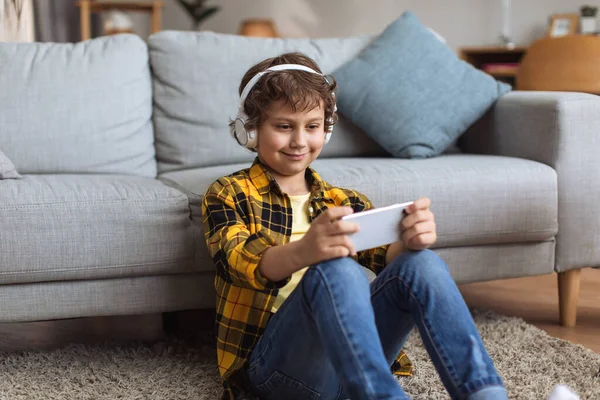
x=410, y=93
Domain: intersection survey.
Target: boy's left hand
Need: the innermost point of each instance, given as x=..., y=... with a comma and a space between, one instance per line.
x=418, y=226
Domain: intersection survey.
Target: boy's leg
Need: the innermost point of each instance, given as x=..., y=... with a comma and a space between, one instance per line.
x=417, y=288
x=322, y=338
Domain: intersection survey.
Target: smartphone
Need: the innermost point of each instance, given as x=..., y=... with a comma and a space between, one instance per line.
x=378, y=226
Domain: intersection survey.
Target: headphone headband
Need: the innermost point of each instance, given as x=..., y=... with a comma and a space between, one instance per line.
x=280, y=67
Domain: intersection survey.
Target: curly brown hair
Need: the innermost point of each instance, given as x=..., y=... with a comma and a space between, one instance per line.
x=300, y=90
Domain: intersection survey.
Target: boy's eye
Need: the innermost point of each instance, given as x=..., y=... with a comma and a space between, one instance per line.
x=313, y=126
x=283, y=126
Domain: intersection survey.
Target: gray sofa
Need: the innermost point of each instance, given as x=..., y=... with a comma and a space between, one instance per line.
x=117, y=140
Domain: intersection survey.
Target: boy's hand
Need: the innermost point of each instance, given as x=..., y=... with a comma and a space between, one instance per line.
x=327, y=237
x=418, y=227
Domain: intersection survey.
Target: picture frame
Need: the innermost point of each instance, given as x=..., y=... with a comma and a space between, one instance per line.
x=563, y=25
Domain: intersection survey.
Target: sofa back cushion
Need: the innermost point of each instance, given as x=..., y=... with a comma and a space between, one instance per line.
x=411, y=93
x=7, y=168
x=196, y=77
x=77, y=108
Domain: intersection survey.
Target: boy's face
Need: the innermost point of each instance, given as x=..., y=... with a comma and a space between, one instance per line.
x=289, y=141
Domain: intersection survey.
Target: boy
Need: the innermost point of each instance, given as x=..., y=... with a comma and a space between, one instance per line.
x=296, y=315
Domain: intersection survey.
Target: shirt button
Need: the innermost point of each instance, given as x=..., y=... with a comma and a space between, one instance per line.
x=311, y=209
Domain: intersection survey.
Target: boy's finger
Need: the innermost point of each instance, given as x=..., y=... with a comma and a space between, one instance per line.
x=342, y=227
x=410, y=233
x=424, y=239
x=415, y=218
x=342, y=240
x=418, y=229
x=350, y=245
x=337, y=212
x=421, y=204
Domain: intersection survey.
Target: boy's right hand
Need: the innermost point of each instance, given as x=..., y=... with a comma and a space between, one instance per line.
x=327, y=237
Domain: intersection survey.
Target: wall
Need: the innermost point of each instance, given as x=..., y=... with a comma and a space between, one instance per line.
x=461, y=22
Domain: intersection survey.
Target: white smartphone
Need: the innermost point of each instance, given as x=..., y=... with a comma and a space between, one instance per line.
x=377, y=227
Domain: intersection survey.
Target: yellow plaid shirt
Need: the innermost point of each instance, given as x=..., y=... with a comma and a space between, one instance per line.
x=244, y=214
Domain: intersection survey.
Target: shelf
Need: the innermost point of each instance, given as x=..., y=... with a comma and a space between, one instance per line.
x=501, y=70
x=504, y=74
x=499, y=62
x=493, y=50
x=88, y=7
x=98, y=6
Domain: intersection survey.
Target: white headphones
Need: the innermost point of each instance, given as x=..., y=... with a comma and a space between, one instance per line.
x=248, y=139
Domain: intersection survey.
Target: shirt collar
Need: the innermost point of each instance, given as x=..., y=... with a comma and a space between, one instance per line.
x=263, y=180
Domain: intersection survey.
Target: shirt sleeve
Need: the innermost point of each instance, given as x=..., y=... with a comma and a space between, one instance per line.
x=235, y=251
x=374, y=258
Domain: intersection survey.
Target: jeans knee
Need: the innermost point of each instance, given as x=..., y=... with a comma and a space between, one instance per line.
x=343, y=276
x=343, y=270
x=425, y=263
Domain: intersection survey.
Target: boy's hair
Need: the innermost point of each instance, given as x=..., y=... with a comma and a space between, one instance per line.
x=301, y=90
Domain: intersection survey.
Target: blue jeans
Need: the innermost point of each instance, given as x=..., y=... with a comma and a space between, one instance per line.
x=337, y=336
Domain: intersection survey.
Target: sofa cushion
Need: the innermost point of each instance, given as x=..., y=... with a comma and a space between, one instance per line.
x=196, y=77
x=409, y=91
x=477, y=200
x=78, y=227
x=7, y=168
x=84, y=107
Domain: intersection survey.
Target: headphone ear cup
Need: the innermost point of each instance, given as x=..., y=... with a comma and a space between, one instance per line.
x=244, y=137
x=239, y=131
x=329, y=130
x=252, y=140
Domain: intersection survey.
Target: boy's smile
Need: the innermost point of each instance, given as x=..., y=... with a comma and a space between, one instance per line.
x=295, y=157
x=288, y=142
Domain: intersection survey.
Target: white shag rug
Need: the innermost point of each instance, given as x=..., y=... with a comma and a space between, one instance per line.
x=530, y=362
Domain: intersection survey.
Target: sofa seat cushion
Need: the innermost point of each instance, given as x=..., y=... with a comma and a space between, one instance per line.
x=477, y=200
x=78, y=227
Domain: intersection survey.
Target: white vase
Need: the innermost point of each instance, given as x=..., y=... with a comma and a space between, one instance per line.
x=588, y=25
x=117, y=22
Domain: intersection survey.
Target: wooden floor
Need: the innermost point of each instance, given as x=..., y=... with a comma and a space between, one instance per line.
x=535, y=299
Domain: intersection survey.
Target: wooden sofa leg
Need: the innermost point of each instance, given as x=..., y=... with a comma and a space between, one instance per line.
x=568, y=296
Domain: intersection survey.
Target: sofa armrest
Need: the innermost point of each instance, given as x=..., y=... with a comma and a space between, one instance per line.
x=561, y=130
